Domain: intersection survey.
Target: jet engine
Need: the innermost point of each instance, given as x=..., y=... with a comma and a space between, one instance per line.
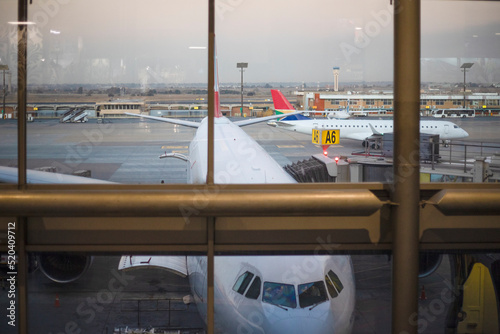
x=64, y=267
x=428, y=263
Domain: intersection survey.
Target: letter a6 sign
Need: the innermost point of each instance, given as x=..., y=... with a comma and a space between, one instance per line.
x=325, y=137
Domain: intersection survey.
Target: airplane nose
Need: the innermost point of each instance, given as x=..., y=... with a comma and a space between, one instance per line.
x=302, y=325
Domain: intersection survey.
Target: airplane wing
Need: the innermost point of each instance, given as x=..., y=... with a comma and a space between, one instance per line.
x=284, y=124
x=9, y=175
x=174, y=264
x=263, y=119
x=168, y=120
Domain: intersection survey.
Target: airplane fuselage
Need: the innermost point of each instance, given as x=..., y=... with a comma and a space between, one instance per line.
x=276, y=294
x=238, y=158
x=362, y=129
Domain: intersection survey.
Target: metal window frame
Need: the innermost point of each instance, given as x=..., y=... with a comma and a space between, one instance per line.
x=401, y=218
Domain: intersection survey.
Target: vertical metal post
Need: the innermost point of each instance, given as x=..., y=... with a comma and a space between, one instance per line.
x=210, y=167
x=4, y=68
x=210, y=275
x=241, y=66
x=22, y=47
x=22, y=78
x=406, y=184
x=211, y=90
x=465, y=70
x=241, y=110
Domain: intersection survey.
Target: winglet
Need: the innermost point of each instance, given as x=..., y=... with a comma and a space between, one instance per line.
x=375, y=132
x=280, y=101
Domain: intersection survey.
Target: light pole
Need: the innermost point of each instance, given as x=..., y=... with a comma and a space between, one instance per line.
x=241, y=66
x=4, y=68
x=465, y=67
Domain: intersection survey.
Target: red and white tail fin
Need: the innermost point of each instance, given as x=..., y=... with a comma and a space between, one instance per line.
x=217, y=111
x=280, y=101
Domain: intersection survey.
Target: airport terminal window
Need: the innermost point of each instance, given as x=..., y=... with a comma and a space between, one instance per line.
x=56, y=60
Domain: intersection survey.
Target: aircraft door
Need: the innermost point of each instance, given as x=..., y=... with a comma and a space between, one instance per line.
x=446, y=128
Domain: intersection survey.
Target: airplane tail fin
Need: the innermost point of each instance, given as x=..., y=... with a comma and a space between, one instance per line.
x=280, y=102
x=217, y=111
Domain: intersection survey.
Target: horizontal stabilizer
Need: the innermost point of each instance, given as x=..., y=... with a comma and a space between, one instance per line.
x=262, y=119
x=174, y=264
x=294, y=117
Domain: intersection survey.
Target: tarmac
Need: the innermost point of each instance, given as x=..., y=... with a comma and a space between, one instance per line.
x=126, y=151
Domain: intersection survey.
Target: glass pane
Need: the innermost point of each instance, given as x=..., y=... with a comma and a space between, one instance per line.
x=109, y=294
x=91, y=63
x=311, y=294
x=333, y=61
x=9, y=261
x=460, y=91
x=8, y=91
x=279, y=294
x=242, y=283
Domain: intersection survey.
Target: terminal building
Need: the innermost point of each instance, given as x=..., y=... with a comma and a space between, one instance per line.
x=382, y=104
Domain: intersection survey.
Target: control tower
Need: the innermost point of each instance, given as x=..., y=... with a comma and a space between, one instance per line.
x=336, y=71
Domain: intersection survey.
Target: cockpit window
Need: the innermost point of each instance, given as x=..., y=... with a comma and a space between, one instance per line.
x=242, y=282
x=455, y=126
x=254, y=289
x=333, y=283
x=279, y=294
x=312, y=293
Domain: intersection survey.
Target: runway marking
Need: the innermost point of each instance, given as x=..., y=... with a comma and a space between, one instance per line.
x=173, y=147
x=180, y=151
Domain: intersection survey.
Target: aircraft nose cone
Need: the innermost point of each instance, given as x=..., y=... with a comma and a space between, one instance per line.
x=302, y=325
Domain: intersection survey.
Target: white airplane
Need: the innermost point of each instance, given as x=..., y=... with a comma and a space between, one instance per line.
x=363, y=130
x=253, y=294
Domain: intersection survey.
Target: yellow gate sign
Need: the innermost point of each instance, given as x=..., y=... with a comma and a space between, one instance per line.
x=325, y=137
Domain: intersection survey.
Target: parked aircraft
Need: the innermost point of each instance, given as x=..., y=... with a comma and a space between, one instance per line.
x=364, y=130
x=258, y=294
x=253, y=294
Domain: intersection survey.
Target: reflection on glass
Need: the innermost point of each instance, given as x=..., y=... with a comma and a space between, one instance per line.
x=312, y=293
x=8, y=92
x=82, y=83
x=134, y=293
x=279, y=294
x=460, y=71
x=325, y=73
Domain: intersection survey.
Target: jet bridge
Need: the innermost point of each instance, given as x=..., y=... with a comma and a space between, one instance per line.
x=318, y=168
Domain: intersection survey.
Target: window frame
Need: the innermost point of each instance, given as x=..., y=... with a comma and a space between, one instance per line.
x=435, y=203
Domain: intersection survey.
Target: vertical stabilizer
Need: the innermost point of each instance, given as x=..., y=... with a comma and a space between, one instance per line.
x=217, y=111
x=280, y=101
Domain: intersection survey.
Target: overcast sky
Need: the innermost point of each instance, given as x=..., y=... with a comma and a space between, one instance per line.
x=148, y=41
